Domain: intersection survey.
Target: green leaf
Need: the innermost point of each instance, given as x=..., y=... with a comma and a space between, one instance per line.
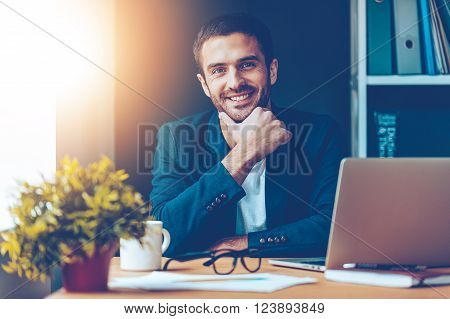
x=8, y=269
x=89, y=248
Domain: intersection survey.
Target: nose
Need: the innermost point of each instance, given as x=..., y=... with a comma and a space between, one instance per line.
x=234, y=80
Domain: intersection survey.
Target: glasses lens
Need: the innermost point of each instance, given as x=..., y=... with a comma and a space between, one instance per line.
x=251, y=264
x=224, y=262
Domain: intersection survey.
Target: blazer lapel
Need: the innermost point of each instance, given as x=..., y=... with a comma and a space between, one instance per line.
x=214, y=140
x=277, y=180
x=218, y=148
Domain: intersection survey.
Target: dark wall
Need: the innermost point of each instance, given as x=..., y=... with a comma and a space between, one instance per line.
x=154, y=59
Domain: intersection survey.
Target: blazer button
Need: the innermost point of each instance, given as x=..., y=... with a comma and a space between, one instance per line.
x=270, y=240
x=223, y=196
x=209, y=208
x=277, y=240
x=283, y=239
x=262, y=241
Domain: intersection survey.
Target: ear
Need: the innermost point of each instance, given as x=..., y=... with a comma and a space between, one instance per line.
x=204, y=85
x=273, y=71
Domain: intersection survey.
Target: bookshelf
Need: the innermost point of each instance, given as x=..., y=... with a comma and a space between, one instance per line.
x=361, y=81
x=408, y=80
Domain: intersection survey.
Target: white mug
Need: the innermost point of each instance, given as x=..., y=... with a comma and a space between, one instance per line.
x=146, y=257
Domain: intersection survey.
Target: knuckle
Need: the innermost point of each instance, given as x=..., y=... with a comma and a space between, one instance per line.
x=277, y=123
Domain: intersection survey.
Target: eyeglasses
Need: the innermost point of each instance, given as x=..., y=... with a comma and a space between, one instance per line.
x=223, y=261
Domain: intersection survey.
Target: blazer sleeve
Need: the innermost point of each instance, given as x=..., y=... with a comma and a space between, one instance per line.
x=309, y=236
x=189, y=209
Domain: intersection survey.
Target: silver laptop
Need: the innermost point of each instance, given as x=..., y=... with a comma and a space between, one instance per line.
x=390, y=211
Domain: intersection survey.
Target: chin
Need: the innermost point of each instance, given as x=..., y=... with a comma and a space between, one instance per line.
x=241, y=114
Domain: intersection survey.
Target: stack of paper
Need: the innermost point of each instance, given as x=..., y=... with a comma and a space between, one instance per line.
x=260, y=282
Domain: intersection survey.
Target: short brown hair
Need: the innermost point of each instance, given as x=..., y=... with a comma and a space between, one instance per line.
x=241, y=23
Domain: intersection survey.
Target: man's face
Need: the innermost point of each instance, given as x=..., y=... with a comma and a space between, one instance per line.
x=236, y=77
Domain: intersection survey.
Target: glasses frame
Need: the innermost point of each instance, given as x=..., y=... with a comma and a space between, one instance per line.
x=215, y=255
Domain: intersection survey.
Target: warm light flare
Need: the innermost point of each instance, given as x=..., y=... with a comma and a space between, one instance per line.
x=47, y=85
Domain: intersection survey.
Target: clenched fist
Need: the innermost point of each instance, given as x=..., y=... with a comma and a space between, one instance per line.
x=260, y=132
x=253, y=139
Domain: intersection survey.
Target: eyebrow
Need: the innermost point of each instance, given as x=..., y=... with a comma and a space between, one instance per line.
x=249, y=58
x=246, y=58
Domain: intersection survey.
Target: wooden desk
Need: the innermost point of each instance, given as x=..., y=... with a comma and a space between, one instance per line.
x=322, y=289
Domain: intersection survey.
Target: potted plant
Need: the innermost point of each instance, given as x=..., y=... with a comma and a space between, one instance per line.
x=74, y=221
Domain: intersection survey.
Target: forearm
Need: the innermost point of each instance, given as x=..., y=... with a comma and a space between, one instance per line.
x=307, y=237
x=190, y=214
x=239, y=162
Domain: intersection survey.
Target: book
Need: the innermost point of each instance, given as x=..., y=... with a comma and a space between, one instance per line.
x=393, y=279
x=379, y=37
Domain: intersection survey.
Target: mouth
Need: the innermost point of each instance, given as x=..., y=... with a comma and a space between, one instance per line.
x=241, y=99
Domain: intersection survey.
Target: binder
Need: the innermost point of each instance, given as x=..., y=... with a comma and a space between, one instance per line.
x=444, y=13
x=437, y=41
x=407, y=41
x=445, y=44
x=428, y=51
x=379, y=37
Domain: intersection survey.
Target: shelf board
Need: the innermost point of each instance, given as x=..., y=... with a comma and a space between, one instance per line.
x=408, y=80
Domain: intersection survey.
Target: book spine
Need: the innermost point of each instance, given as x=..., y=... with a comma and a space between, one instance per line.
x=386, y=128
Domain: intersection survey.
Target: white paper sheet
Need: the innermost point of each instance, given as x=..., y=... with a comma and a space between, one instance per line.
x=258, y=282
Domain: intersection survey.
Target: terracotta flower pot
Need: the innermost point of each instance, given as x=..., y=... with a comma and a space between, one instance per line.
x=91, y=274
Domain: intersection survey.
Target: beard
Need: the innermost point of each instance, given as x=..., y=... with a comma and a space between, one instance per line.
x=238, y=114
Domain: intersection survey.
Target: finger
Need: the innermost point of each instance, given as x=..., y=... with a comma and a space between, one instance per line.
x=286, y=136
x=279, y=123
x=268, y=112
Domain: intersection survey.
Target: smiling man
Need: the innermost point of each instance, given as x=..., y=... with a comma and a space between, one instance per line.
x=245, y=174
x=235, y=74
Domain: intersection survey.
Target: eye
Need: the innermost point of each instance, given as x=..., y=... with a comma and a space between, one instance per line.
x=218, y=70
x=247, y=65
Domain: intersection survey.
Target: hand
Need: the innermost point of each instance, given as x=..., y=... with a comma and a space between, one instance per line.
x=235, y=243
x=260, y=133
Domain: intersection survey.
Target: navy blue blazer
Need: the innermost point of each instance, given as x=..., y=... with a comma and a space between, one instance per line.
x=196, y=198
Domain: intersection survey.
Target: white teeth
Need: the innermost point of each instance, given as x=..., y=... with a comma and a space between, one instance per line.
x=239, y=98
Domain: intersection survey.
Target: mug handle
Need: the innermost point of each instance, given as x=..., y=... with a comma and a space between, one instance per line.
x=166, y=240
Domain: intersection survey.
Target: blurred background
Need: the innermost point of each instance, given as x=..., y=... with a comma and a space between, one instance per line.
x=86, y=77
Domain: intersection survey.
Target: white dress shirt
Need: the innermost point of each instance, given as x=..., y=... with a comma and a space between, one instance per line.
x=251, y=209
